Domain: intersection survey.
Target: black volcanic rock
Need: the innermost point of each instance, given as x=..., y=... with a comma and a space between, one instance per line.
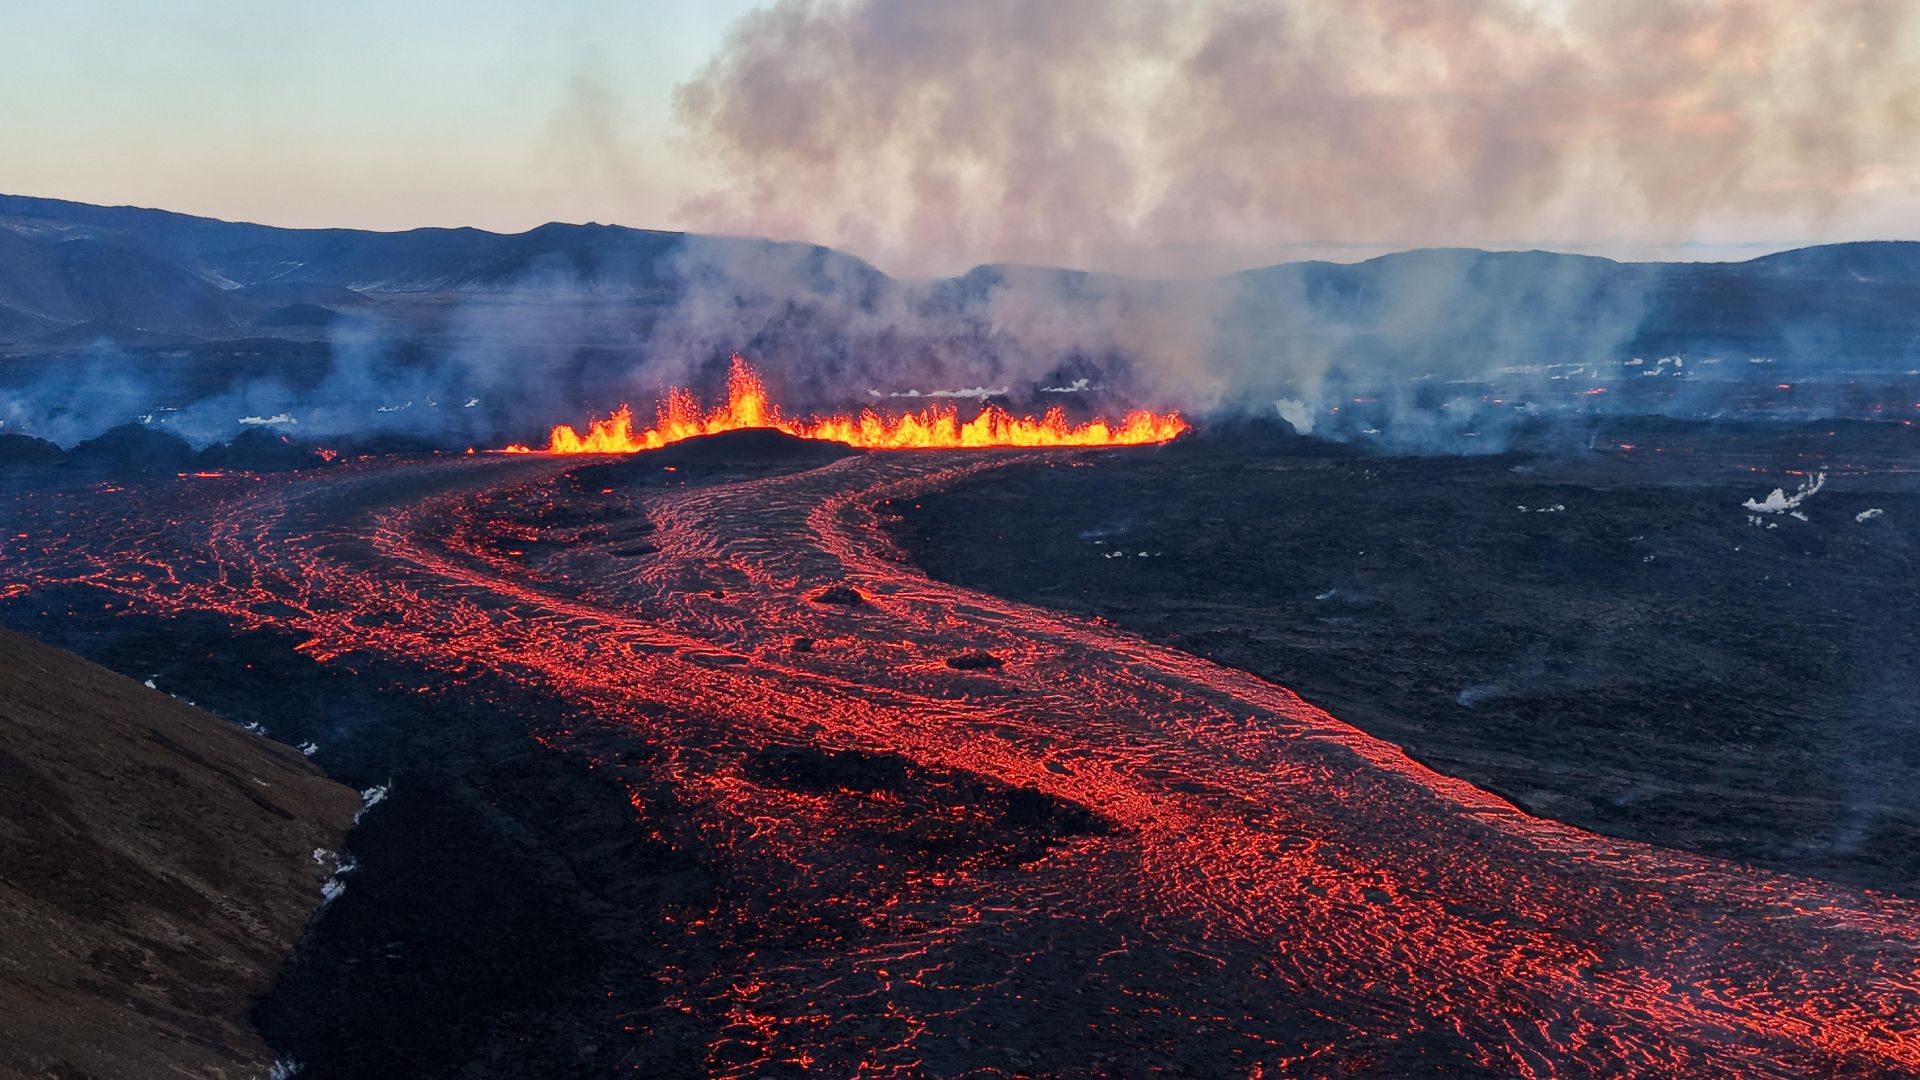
x=261, y=450
x=133, y=448
x=733, y=453
x=1604, y=635
x=808, y=768
x=386, y=442
x=839, y=595
x=974, y=660
x=1265, y=431
x=750, y=446
x=1022, y=815
x=17, y=449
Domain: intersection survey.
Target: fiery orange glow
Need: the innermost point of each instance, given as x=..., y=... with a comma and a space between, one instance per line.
x=934, y=427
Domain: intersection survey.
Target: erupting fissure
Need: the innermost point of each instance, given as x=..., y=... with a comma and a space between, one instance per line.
x=935, y=427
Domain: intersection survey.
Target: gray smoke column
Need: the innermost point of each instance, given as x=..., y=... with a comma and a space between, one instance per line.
x=1161, y=138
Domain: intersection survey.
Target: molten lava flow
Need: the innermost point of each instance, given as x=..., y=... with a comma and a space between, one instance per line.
x=934, y=427
x=1177, y=864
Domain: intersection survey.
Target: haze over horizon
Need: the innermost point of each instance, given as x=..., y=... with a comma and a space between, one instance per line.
x=1152, y=138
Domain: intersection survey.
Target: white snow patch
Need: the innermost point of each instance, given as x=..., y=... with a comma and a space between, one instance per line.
x=149, y=683
x=276, y=418
x=472, y=402
x=309, y=748
x=284, y=1069
x=1864, y=515
x=1077, y=386
x=368, y=799
x=1779, y=502
x=1554, y=509
x=980, y=392
x=331, y=889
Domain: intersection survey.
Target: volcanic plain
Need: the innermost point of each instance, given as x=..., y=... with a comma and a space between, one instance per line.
x=692, y=770
x=1599, y=629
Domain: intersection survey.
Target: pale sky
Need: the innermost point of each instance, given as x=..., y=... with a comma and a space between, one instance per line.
x=1149, y=136
x=362, y=114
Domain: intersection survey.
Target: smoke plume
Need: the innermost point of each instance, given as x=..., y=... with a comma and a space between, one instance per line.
x=1162, y=138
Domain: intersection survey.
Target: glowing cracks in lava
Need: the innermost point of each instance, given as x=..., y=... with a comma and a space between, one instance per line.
x=934, y=427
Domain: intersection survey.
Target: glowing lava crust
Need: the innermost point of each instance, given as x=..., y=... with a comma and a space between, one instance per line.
x=1258, y=889
x=936, y=427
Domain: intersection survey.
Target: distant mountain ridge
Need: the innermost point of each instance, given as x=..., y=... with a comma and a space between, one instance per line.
x=71, y=272
x=65, y=264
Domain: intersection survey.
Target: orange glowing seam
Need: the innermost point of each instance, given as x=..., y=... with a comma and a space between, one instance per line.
x=934, y=427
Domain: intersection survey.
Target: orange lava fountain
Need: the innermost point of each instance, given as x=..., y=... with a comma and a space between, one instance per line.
x=934, y=427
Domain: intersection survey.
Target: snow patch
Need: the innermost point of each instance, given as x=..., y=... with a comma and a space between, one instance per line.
x=369, y=799
x=979, y=392
x=276, y=418
x=1864, y=515
x=332, y=888
x=1779, y=502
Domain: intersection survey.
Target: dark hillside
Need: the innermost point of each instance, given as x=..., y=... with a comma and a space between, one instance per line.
x=156, y=867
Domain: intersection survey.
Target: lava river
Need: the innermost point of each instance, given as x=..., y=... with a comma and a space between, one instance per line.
x=1192, y=869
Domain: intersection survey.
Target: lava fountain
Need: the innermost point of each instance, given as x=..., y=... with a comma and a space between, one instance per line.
x=679, y=416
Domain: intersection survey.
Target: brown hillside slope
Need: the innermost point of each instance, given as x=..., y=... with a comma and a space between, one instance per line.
x=156, y=868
